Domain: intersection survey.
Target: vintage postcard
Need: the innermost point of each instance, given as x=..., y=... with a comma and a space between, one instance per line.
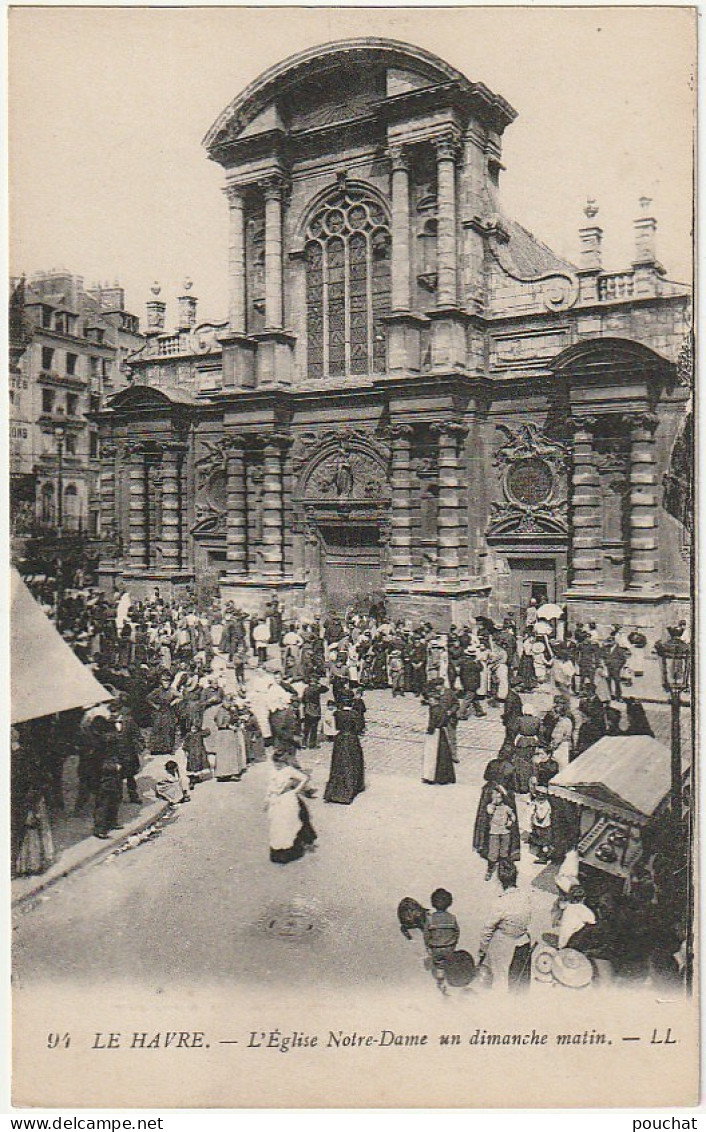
x=351, y=473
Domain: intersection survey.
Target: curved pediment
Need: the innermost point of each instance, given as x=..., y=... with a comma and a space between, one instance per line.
x=136, y=397
x=320, y=85
x=609, y=356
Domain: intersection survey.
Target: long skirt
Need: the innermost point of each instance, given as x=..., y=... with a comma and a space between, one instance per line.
x=36, y=852
x=228, y=745
x=437, y=759
x=289, y=821
x=347, y=775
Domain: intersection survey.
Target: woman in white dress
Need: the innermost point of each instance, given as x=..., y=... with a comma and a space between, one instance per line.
x=290, y=828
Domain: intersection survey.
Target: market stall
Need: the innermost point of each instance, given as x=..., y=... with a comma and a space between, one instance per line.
x=621, y=785
x=46, y=676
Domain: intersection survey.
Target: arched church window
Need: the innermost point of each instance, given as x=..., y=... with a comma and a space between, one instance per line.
x=347, y=284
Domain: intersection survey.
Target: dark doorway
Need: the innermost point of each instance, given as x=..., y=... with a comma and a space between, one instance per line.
x=351, y=566
x=531, y=578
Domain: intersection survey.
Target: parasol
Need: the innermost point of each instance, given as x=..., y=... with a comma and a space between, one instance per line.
x=550, y=612
x=542, y=628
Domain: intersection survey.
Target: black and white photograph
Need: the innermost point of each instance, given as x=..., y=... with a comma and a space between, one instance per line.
x=351, y=475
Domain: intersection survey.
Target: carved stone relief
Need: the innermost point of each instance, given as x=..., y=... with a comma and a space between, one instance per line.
x=533, y=471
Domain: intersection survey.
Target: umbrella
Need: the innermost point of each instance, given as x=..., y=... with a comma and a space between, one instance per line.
x=542, y=628
x=550, y=612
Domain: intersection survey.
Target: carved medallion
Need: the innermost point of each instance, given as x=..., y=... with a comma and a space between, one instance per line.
x=533, y=484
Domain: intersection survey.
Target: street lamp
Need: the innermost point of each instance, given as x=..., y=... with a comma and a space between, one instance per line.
x=59, y=430
x=675, y=659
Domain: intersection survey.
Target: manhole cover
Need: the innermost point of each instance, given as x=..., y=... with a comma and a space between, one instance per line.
x=293, y=920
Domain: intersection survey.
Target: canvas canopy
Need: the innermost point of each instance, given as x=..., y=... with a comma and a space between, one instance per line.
x=629, y=775
x=46, y=676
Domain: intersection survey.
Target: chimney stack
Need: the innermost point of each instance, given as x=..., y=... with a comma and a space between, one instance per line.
x=156, y=311
x=187, y=308
x=645, y=236
x=591, y=238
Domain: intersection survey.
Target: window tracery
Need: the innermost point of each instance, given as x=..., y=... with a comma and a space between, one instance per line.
x=348, y=285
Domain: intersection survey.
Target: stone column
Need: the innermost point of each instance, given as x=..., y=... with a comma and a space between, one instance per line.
x=236, y=260
x=644, y=564
x=171, y=519
x=401, y=517
x=400, y=230
x=107, y=496
x=449, y=511
x=237, y=518
x=137, y=517
x=273, y=190
x=272, y=505
x=446, y=155
x=586, y=507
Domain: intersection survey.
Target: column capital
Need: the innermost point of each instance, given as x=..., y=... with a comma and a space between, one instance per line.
x=453, y=429
x=400, y=431
x=135, y=448
x=586, y=423
x=273, y=186
x=398, y=158
x=278, y=440
x=235, y=195
x=108, y=450
x=447, y=144
x=234, y=445
x=642, y=420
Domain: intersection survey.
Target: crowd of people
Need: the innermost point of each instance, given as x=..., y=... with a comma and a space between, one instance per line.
x=205, y=691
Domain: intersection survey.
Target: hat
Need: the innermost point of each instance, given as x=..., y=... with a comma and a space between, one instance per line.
x=459, y=969
x=572, y=969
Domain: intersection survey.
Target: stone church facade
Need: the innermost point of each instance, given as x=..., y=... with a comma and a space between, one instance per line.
x=411, y=396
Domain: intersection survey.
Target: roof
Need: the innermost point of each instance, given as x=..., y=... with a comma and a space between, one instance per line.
x=630, y=772
x=45, y=675
x=528, y=256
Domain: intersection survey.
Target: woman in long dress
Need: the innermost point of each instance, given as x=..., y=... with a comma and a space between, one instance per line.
x=290, y=828
x=562, y=736
x=347, y=775
x=227, y=742
x=437, y=762
x=500, y=772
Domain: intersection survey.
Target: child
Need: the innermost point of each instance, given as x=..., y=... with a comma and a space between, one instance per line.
x=501, y=820
x=172, y=788
x=328, y=722
x=197, y=764
x=575, y=914
x=541, y=821
x=441, y=932
x=395, y=673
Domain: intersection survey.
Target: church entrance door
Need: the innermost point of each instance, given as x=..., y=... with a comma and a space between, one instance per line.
x=531, y=578
x=351, y=564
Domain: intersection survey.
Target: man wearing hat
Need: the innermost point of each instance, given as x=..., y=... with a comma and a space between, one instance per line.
x=469, y=670
x=395, y=672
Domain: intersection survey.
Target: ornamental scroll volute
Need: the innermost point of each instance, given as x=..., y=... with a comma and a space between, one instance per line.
x=344, y=469
x=533, y=482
